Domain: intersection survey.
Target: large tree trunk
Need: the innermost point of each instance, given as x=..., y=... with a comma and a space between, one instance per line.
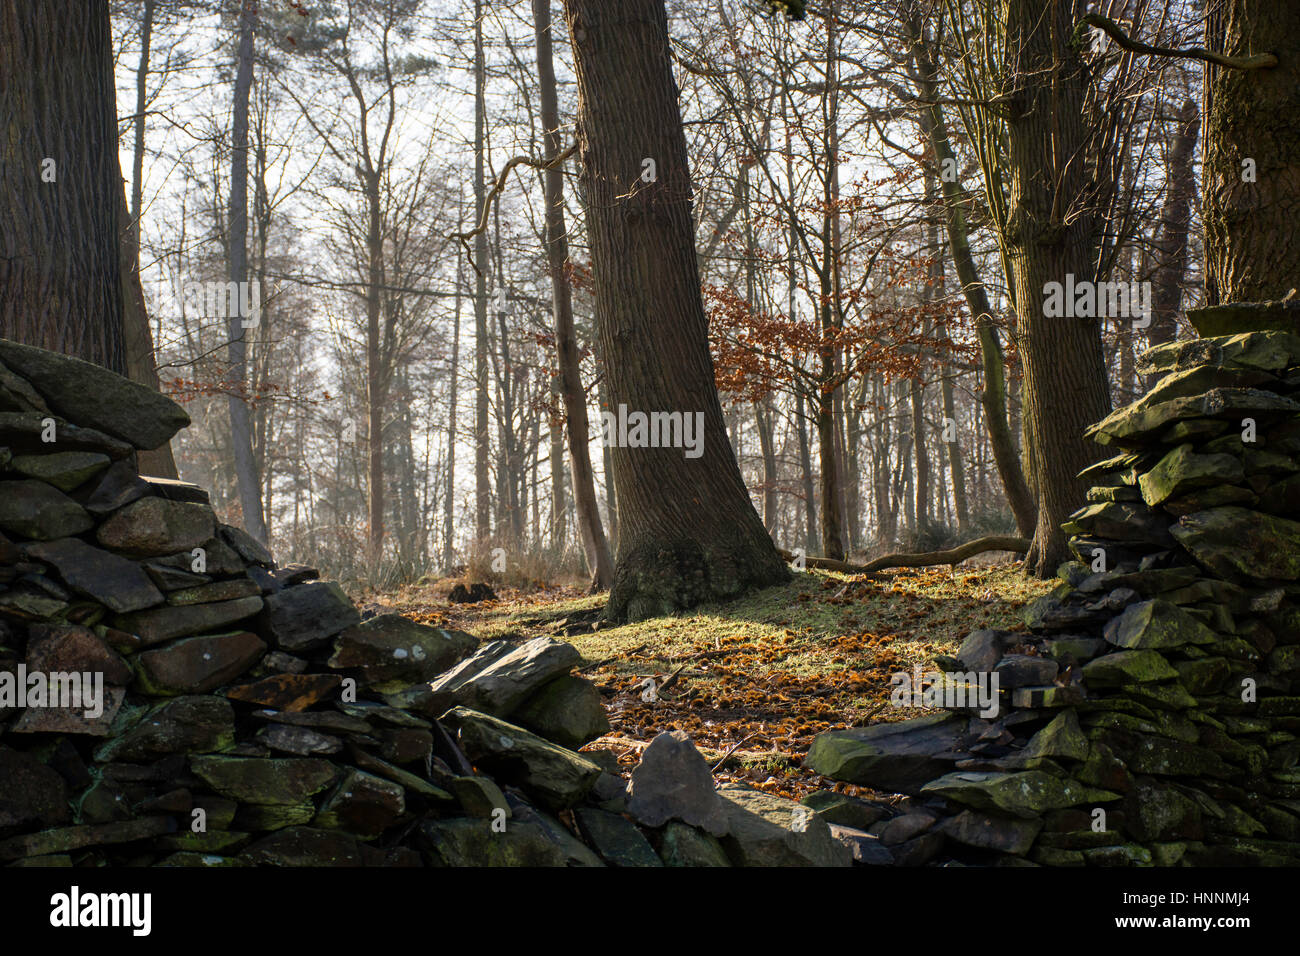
x=60, y=266
x=449, y=491
x=1065, y=388
x=689, y=531
x=241, y=424
x=1251, y=239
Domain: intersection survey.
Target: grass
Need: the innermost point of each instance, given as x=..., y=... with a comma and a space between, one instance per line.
x=761, y=675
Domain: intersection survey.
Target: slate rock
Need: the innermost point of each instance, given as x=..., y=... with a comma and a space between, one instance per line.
x=1155, y=625
x=33, y=509
x=508, y=679
x=558, y=777
x=184, y=725
x=195, y=665
x=479, y=796
x=1024, y=795
x=362, y=804
x=765, y=830
x=164, y=623
x=65, y=470
x=840, y=809
x=392, y=651
x=31, y=794
x=304, y=846
x=1238, y=542
x=117, y=583
x=299, y=741
x=64, y=839
x=867, y=849
x=92, y=720
x=214, y=591
x=72, y=648
x=673, y=782
x=989, y=832
x=897, y=757
x=120, y=485
x=287, y=692
x=153, y=527
x=470, y=842
x=307, y=615
x=95, y=397
x=280, y=781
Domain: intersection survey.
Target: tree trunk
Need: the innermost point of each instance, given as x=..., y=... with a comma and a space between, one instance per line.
x=689, y=531
x=482, y=491
x=1251, y=240
x=60, y=266
x=1065, y=388
x=241, y=425
x=1167, y=284
x=449, y=498
x=599, y=560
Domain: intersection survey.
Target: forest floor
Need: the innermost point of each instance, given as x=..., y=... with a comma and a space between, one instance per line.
x=753, y=680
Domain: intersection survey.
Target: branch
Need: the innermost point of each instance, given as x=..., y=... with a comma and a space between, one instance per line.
x=496, y=190
x=1112, y=29
x=923, y=559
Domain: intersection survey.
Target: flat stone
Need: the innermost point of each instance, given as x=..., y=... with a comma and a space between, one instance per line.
x=765, y=830
x=64, y=470
x=184, y=725
x=895, y=757
x=479, y=796
x=673, y=781
x=120, y=485
x=843, y=810
x=867, y=849
x=307, y=615
x=96, y=397
x=304, y=846
x=1241, y=543
x=35, y=510
x=1154, y=625
x=200, y=593
x=71, y=648
x=393, y=652
x=117, y=583
x=153, y=527
x=265, y=780
x=1022, y=670
x=507, y=679
x=287, y=692
x=73, y=720
x=1127, y=667
x=195, y=665
x=988, y=832
x=164, y=623
x=246, y=546
x=1062, y=738
x=1183, y=470
x=74, y=838
x=558, y=777
x=1025, y=795
x=299, y=741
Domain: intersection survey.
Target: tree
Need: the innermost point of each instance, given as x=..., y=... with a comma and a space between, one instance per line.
x=60, y=265
x=689, y=531
x=241, y=423
x=574, y=396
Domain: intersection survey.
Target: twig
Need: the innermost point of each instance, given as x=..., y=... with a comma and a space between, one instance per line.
x=727, y=756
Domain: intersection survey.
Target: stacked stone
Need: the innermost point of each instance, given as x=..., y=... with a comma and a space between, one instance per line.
x=251, y=715
x=1152, y=713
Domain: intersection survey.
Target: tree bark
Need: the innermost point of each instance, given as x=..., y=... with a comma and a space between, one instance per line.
x=60, y=266
x=241, y=425
x=1065, y=387
x=1167, y=284
x=689, y=531
x=482, y=490
x=1252, y=245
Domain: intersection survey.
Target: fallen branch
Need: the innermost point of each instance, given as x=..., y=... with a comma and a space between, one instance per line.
x=1112, y=29
x=920, y=559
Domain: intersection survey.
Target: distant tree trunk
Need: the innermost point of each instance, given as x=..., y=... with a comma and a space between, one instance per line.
x=607, y=465
x=1167, y=283
x=690, y=532
x=1252, y=243
x=482, y=490
x=1065, y=388
x=806, y=471
x=767, y=447
x=449, y=497
x=993, y=397
x=241, y=425
x=599, y=560
x=60, y=265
